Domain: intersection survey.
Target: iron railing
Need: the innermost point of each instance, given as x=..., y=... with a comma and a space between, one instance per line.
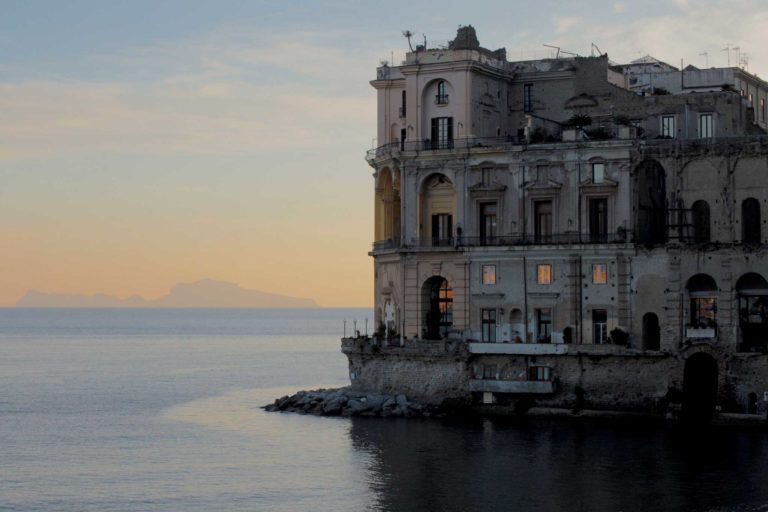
x=457, y=242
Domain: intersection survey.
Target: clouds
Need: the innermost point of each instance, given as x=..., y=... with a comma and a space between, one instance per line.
x=214, y=95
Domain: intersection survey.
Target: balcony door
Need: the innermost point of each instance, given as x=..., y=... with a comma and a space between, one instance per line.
x=598, y=220
x=542, y=222
x=488, y=223
x=442, y=229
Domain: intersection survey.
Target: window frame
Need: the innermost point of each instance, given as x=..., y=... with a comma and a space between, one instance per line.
x=706, y=130
x=544, y=335
x=599, y=329
x=488, y=323
x=666, y=130
x=544, y=278
x=596, y=273
x=492, y=277
x=527, y=97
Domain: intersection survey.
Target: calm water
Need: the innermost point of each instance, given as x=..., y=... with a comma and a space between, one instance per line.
x=142, y=410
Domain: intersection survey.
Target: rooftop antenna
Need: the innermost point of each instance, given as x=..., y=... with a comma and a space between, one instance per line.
x=595, y=47
x=727, y=51
x=738, y=58
x=557, y=55
x=408, y=34
x=706, y=59
x=744, y=61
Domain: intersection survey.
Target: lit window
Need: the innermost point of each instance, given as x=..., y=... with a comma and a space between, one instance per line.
x=668, y=126
x=706, y=126
x=489, y=274
x=544, y=274
x=600, y=273
x=598, y=172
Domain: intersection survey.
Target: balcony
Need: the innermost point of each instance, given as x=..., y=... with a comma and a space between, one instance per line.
x=528, y=349
x=538, y=387
x=383, y=245
x=441, y=99
x=548, y=239
x=401, y=111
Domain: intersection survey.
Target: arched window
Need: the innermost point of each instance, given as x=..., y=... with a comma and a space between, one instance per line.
x=752, y=290
x=700, y=213
x=750, y=221
x=442, y=93
x=437, y=300
x=702, y=292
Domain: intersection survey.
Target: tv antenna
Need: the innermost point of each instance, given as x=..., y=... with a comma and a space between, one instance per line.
x=706, y=59
x=595, y=47
x=560, y=50
x=727, y=50
x=408, y=34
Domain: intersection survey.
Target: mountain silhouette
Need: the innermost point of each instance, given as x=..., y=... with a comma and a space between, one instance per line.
x=206, y=293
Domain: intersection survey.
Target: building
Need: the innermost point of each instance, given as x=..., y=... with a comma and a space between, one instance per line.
x=544, y=233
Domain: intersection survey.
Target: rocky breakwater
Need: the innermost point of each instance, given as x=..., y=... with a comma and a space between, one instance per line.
x=343, y=402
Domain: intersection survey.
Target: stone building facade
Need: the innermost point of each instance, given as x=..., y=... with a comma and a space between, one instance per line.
x=544, y=233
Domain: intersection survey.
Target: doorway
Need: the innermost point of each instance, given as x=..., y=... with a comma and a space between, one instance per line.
x=699, y=388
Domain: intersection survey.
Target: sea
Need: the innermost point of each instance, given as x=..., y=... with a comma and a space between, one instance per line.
x=160, y=410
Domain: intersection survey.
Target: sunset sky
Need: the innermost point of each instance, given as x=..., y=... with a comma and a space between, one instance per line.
x=146, y=143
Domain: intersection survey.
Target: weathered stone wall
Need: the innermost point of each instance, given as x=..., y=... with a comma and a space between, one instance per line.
x=429, y=372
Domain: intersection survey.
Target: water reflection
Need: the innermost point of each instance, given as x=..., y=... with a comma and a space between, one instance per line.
x=515, y=464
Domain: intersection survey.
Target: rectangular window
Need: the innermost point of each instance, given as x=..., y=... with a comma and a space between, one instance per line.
x=489, y=274
x=762, y=109
x=542, y=228
x=599, y=273
x=544, y=274
x=544, y=325
x=598, y=220
x=402, y=105
x=599, y=326
x=402, y=139
x=528, y=98
x=539, y=373
x=598, y=172
x=488, y=223
x=706, y=126
x=442, y=133
x=668, y=127
x=442, y=229
x=489, y=326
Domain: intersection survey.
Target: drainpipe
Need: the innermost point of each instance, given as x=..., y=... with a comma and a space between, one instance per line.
x=525, y=291
x=579, y=322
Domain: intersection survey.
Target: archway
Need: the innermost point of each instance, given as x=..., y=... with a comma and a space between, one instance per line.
x=752, y=290
x=651, y=332
x=699, y=387
x=437, y=210
x=437, y=299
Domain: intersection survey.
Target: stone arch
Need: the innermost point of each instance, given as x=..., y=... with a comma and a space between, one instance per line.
x=650, y=203
x=437, y=210
x=651, y=332
x=752, y=295
x=437, y=307
x=750, y=221
x=517, y=325
x=387, y=213
x=700, y=219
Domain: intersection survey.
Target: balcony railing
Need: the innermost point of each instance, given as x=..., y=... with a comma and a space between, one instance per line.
x=441, y=99
x=545, y=239
x=401, y=111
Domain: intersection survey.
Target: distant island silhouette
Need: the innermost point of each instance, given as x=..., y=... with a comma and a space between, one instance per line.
x=206, y=293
